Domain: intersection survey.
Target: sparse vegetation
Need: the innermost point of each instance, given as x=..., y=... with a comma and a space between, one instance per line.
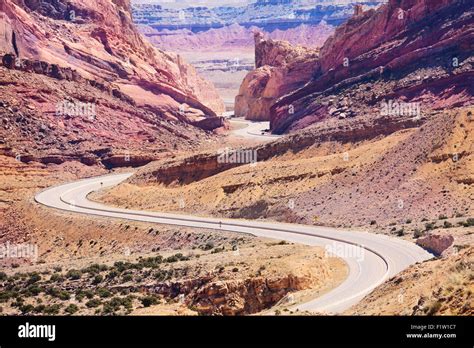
x=429, y=226
x=93, y=303
x=74, y=274
x=71, y=309
x=468, y=223
x=148, y=301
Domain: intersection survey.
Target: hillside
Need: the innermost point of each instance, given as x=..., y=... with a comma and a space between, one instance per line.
x=78, y=84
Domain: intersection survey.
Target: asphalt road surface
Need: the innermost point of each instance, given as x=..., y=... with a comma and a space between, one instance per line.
x=253, y=129
x=371, y=258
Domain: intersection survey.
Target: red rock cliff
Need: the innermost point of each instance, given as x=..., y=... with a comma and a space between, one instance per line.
x=98, y=39
x=412, y=50
x=280, y=68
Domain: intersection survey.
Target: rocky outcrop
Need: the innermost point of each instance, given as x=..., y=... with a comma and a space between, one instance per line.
x=245, y=296
x=388, y=53
x=230, y=297
x=234, y=37
x=436, y=243
x=280, y=68
x=212, y=123
x=125, y=95
x=98, y=40
x=265, y=14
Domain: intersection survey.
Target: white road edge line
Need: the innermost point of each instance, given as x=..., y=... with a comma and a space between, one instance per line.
x=399, y=254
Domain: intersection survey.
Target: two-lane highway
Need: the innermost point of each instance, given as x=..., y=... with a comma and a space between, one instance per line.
x=371, y=258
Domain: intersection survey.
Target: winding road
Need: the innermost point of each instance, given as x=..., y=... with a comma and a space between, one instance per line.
x=371, y=258
x=253, y=129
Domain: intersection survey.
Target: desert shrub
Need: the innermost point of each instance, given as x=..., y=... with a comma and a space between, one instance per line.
x=39, y=308
x=95, y=269
x=34, y=277
x=175, y=258
x=33, y=290
x=429, y=226
x=115, y=303
x=401, y=232
x=8, y=294
x=97, y=279
x=208, y=246
x=3, y=276
x=112, y=274
x=103, y=292
x=61, y=294
x=148, y=301
x=107, y=308
x=56, y=277
x=93, y=303
x=74, y=274
x=120, y=266
x=71, y=309
x=447, y=224
x=468, y=223
x=217, y=250
x=373, y=222
x=161, y=275
x=127, y=301
x=127, y=277
x=150, y=262
x=64, y=295
x=89, y=294
x=418, y=233
x=26, y=308
x=52, y=310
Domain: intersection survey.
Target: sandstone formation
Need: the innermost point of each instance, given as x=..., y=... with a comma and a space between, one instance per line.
x=146, y=102
x=234, y=37
x=280, y=68
x=99, y=40
x=265, y=14
x=435, y=243
x=387, y=54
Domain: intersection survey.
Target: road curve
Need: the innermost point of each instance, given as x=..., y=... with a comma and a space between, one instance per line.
x=253, y=129
x=371, y=258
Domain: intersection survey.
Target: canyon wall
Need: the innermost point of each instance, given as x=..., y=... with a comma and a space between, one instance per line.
x=280, y=68
x=234, y=36
x=99, y=40
x=127, y=103
x=378, y=55
x=409, y=51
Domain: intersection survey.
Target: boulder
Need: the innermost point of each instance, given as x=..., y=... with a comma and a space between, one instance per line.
x=436, y=244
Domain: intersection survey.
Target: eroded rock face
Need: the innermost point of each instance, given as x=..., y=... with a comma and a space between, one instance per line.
x=280, y=68
x=232, y=297
x=435, y=243
x=388, y=53
x=99, y=41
